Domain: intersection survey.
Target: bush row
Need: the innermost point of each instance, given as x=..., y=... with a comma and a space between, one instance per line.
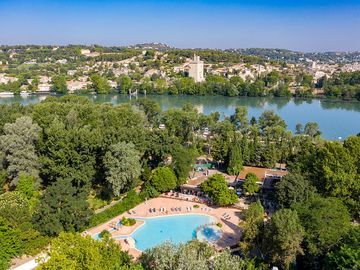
x=131, y=200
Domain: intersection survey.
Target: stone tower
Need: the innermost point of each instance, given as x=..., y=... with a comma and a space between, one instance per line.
x=196, y=70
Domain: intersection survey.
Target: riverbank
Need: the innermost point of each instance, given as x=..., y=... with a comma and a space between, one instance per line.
x=336, y=119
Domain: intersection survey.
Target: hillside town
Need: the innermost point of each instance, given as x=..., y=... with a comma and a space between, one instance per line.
x=159, y=69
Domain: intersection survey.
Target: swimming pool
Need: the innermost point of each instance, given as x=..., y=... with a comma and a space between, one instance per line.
x=177, y=229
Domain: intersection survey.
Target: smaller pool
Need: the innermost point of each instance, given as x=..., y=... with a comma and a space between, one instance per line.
x=209, y=233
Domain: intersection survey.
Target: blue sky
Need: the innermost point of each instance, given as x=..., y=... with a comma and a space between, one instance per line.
x=298, y=25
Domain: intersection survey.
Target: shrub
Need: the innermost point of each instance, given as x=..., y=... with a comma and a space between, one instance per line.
x=128, y=221
x=105, y=234
x=196, y=206
x=131, y=200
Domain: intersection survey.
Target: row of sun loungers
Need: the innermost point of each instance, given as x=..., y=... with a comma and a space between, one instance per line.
x=131, y=212
x=178, y=209
x=226, y=216
x=175, y=209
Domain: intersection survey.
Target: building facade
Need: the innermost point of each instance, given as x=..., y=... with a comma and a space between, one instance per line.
x=196, y=70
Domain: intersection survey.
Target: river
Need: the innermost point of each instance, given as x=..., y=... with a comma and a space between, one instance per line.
x=337, y=119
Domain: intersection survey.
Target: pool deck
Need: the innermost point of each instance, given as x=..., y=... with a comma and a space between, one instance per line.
x=230, y=228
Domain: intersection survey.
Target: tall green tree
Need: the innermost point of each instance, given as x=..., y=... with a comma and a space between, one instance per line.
x=235, y=163
x=252, y=228
x=270, y=119
x=312, y=129
x=122, y=164
x=240, y=118
x=283, y=235
x=72, y=251
x=100, y=84
x=326, y=221
x=335, y=174
x=193, y=255
x=163, y=179
x=15, y=208
x=124, y=84
x=10, y=242
x=217, y=189
x=250, y=185
x=347, y=254
x=151, y=109
x=18, y=144
x=182, y=160
x=61, y=208
x=293, y=188
x=59, y=84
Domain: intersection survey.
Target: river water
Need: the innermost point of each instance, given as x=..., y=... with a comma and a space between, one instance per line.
x=337, y=119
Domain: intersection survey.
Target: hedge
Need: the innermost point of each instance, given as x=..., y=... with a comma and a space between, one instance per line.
x=131, y=200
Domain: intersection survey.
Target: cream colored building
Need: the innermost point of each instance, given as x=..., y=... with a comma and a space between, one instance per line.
x=43, y=88
x=76, y=85
x=196, y=70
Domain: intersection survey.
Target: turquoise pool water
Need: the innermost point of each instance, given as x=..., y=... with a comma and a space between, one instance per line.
x=211, y=233
x=177, y=229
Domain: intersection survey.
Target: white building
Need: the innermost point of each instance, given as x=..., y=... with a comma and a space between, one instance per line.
x=112, y=84
x=76, y=85
x=6, y=79
x=196, y=70
x=71, y=72
x=85, y=51
x=61, y=61
x=43, y=88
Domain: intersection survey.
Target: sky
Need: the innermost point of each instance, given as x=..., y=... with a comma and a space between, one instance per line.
x=301, y=25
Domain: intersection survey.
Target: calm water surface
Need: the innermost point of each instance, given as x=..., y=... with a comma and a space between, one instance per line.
x=335, y=118
x=177, y=229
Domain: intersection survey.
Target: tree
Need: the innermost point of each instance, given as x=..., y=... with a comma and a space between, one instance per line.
x=151, y=109
x=59, y=84
x=193, y=255
x=27, y=189
x=299, y=129
x=334, y=173
x=100, y=84
x=250, y=185
x=122, y=164
x=61, y=208
x=283, y=235
x=163, y=179
x=182, y=160
x=316, y=215
x=15, y=208
x=347, y=254
x=124, y=84
x=270, y=119
x=217, y=189
x=293, y=188
x=252, y=227
x=235, y=165
x=312, y=129
x=10, y=242
x=18, y=144
x=68, y=149
x=225, y=261
x=352, y=144
x=240, y=118
x=72, y=251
